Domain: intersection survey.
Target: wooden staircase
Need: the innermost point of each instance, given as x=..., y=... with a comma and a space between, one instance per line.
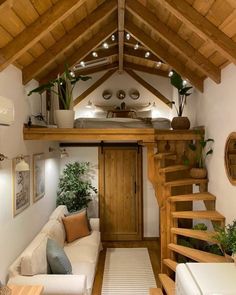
x=175, y=194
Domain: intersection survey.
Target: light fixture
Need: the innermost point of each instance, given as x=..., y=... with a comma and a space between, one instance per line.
x=21, y=165
x=185, y=82
x=113, y=38
x=62, y=152
x=136, y=46
x=72, y=74
x=89, y=105
x=3, y=157
x=82, y=63
x=159, y=64
x=170, y=73
x=94, y=54
x=105, y=45
x=127, y=36
x=147, y=54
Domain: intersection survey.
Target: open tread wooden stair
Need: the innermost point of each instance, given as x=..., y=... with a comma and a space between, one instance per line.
x=197, y=255
x=155, y=291
x=196, y=234
x=173, y=168
x=167, y=283
x=170, y=263
x=186, y=181
x=193, y=197
x=210, y=215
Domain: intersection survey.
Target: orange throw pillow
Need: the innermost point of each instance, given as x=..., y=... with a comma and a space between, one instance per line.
x=76, y=226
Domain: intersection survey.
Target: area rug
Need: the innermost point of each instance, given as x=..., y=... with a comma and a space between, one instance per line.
x=128, y=271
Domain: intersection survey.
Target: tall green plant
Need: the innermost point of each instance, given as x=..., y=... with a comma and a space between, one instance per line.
x=226, y=237
x=75, y=188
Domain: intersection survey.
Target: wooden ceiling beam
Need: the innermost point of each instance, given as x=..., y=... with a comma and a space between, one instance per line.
x=5, y=3
x=34, y=32
x=121, y=25
x=149, y=87
x=68, y=40
x=102, y=53
x=140, y=68
x=82, y=51
x=94, y=70
x=140, y=53
x=94, y=86
x=174, y=40
x=158, y=50
x=202, y=26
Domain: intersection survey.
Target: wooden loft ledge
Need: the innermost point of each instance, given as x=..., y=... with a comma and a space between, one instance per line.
x=76, y=134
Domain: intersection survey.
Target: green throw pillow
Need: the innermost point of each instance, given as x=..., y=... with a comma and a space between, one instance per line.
x=57, y=259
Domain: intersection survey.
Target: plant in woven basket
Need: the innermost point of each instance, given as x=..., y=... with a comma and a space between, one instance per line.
x=75, y=188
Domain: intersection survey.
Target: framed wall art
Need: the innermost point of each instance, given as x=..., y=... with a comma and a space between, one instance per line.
x=38, y=176
x=21, y=187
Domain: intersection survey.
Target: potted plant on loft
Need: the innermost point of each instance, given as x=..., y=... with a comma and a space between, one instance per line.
x=62, y=87
x=201, y=154
x=180, y=122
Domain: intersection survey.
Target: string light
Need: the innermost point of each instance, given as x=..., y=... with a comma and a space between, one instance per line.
x=127, y=36
x=72, y=74
x=105, y=45
x=159, y=64
x=147, y=54
x=170, y=73
x=113, y=38
x=136, y=46
x=82, y=63
x=94, y=54
x=185, y=82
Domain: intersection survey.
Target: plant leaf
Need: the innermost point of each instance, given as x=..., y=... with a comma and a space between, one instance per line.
x=209, y=152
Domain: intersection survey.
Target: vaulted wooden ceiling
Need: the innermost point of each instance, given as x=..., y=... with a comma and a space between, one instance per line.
x=194, y=37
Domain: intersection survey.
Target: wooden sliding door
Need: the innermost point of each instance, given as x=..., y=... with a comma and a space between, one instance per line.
x=121, y=193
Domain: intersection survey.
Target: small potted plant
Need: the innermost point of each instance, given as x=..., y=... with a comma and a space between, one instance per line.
x=63, y=87
x=200, y=148
x=226, y=238
x=180, y=122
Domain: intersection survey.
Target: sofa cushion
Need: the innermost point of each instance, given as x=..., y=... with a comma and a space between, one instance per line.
x=57, y=259
x=59, y=212
x=55, y=230
x=76, y=226
x=82, y=253
x=88, y=269
x=33, y=259
x=93, y=239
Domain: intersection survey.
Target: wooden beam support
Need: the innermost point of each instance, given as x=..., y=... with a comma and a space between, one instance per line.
x=5, y=3
x=33, y=33
x=153, y=71
x=149, y=87
x=93, y=70
x=140, y=53
x=68, y=40
x=202, y=26
x=158, y=50
x=82, y=51
x=174, y=40
x=121, y=24
x=94, y=86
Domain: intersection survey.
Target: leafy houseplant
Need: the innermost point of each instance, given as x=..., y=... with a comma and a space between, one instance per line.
x=75, y=187
x=62, y=87
x=180, y=122
x=201, y=153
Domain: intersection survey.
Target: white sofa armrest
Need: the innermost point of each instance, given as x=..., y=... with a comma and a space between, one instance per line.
x=54, y=284
x=95, y=224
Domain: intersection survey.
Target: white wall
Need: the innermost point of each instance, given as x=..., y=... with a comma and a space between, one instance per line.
x=150, y=206
x=216, y=110
x=17, y=232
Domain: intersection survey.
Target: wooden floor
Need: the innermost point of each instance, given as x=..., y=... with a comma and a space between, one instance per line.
x=154, y=252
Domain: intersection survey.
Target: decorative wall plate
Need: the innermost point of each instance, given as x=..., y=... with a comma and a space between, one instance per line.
x=120, y=94
x=134, y=94
x=107, y=94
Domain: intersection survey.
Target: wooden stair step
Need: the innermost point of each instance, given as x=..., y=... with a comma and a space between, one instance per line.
x=170, y=263
x=211, y=215
x=186, y=181
x=167, y=283
x=155, y=291
x=160, y=156
x=197, y=255
x=173, y=168
x=197, y=234
x=193, y=197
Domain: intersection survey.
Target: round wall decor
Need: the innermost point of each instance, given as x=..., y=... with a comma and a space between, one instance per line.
x=230, y=158
x=134, y=94
x=120, y=94
x=107, y=94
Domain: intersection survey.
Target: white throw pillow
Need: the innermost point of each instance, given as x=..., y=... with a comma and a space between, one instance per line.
x=55, y=230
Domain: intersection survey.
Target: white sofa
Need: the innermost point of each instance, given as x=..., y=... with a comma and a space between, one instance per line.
x=30, y=268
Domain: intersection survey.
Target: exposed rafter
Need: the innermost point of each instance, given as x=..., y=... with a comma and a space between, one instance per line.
x=68, y=40
x=140, y=68
x=200, y=24
x=121, y=28
x=94, y=86
x=183, y=47
x=34, y=32
x=93, y=70
x=158, y=50
x=149, y=87
x=83, y=50
x=4, y=3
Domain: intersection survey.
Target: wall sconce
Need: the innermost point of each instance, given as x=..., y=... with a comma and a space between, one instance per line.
x=3, y=157
x=21, y=164
x=62, y=152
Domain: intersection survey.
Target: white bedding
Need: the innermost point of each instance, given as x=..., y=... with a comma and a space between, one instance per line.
x=106, y=123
